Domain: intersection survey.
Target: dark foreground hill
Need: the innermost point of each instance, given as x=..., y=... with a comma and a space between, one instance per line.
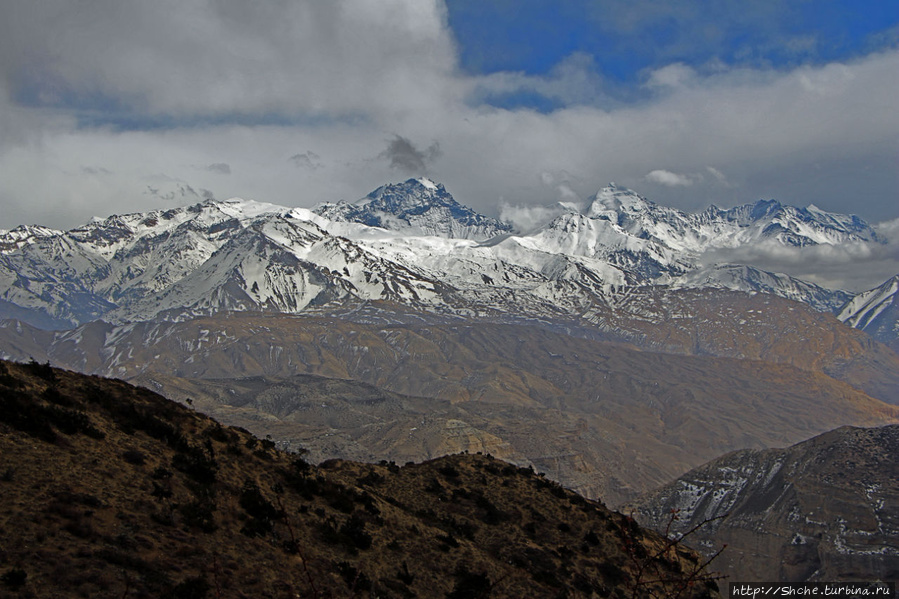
x=107, y=490
x=825, y=509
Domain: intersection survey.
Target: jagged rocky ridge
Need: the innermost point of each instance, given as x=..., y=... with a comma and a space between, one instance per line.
x=821, y=510
x=410, y=243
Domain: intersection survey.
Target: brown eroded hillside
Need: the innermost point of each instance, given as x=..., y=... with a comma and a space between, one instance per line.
x=607, y=420
x=753, y=326
x=705, y=322
x=111, y=490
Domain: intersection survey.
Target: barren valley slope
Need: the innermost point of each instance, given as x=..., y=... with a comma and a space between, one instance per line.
x=605, y=419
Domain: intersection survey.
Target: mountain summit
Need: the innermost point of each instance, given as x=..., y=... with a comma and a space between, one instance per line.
x=416, y=207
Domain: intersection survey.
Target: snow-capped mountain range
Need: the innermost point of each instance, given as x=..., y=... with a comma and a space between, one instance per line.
x=409, y=243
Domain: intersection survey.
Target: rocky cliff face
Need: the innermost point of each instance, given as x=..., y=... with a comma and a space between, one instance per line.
x=825, y=509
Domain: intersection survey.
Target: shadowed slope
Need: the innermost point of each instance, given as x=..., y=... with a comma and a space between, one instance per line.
x=110, y=490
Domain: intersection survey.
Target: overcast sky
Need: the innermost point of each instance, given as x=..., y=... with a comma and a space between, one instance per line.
x=119, y=106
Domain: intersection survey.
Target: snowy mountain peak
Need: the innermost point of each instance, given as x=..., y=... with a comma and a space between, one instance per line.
x=613, y=199
x=763, y=208
x=428, y=183
x=412, y=193
x=237, y=208
x=417, y=207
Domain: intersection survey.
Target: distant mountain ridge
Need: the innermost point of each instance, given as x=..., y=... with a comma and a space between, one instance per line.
x=410, y=243
x=739, y=277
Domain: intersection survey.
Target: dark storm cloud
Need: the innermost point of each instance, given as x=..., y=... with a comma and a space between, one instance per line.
x=404, y=156
x=220, y=168
x=307, y=160
x=181, y=192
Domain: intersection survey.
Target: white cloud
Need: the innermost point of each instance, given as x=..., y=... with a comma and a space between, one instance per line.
x=573, y=81
x=671, y=76
x=718, y=175
x=663, y=177
x=854, y=266
x=889, y=230
x=198, y=58
x=560, y=183
x=528, y=218
x=709, y=176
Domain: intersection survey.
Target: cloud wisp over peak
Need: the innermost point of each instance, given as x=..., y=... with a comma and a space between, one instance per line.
x=669, y=179
x=406, y=158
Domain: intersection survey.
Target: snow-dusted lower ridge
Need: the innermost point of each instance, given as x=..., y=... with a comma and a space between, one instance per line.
x=822, y=509
x=409, y=243
x=875, y=311
x=737, y=277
